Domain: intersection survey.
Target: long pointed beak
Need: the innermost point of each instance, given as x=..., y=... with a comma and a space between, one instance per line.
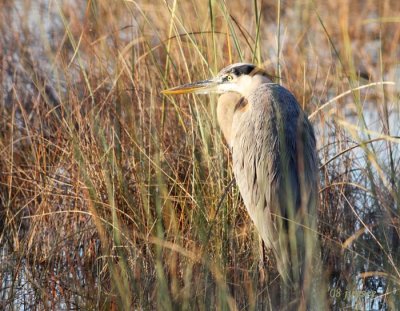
x=200, y=87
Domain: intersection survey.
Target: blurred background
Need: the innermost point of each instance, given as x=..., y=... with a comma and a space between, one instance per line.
x=110, y=193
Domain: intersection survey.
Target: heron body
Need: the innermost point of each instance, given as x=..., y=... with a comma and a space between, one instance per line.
x=274, y=158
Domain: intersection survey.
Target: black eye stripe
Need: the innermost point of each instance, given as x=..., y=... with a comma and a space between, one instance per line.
x=243, y=70
x=236, y=70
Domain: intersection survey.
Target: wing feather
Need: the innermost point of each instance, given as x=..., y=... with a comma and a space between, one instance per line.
x=266, y=141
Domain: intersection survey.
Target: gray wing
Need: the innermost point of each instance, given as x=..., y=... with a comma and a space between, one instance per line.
x=274, y=161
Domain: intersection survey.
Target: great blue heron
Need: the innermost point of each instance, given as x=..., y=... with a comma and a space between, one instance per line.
x=274, y=159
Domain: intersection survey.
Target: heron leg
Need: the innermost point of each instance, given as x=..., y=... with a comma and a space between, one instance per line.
x=263, y=274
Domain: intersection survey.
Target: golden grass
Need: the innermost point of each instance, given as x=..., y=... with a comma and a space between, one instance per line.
x=109, y=190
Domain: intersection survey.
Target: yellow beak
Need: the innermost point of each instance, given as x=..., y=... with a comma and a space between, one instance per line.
x=200, y=87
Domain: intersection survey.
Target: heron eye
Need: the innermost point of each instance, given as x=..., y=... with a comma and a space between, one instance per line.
x=229, y=77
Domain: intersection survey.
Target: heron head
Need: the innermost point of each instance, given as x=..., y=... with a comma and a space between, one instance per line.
x=240, y=77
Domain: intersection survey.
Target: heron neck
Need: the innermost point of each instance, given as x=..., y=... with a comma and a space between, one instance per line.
x=225, y=110
x=248, y=84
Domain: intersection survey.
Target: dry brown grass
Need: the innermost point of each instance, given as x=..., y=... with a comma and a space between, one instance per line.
x=108, y=191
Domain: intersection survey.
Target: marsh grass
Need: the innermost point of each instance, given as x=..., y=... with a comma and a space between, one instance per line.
x=110, y=193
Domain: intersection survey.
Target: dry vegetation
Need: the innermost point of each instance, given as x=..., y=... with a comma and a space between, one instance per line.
x=109, y=192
